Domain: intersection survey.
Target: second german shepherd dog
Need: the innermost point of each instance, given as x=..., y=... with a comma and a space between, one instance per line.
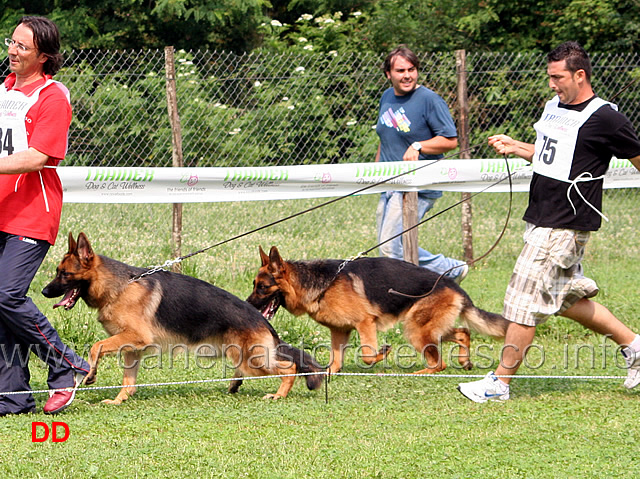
x=166, y=308
x=359, y=297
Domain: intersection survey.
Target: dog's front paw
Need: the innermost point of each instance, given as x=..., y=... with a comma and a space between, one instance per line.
x=274, y=397
x=385, y=349
x=434, y=370
x=112, y=402
x=90, y=378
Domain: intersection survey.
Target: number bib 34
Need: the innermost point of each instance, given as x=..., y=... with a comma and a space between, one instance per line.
x=14, y=106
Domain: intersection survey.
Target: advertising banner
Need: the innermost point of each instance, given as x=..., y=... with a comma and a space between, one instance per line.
x=211, y=184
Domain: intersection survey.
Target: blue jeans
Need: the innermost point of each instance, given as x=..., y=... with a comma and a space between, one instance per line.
x=24, y=329
x=389, y=220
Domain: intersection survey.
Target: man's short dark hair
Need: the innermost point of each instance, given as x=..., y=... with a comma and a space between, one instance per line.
x=575, y=56
x=400, y=51
x=46, y=38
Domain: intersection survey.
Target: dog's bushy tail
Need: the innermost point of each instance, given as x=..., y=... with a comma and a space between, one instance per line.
x=484, y=322
x=304, y=363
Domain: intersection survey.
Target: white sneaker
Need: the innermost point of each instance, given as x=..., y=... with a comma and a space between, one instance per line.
x=490, y=388
x=633, y=367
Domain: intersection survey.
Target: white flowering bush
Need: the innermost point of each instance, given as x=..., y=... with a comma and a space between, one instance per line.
x=329, y=32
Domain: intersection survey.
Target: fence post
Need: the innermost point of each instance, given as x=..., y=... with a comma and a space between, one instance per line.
x=176, y=142
x=463, y=142
x=409, y=219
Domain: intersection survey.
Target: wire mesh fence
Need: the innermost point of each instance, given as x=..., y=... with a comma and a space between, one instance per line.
x=263, y=109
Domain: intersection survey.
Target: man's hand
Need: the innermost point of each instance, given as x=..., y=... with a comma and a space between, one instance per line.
x=411, y=154
x=505, y=145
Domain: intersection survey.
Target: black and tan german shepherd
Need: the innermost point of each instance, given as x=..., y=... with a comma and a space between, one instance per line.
x=364, y=296
x=165, y=308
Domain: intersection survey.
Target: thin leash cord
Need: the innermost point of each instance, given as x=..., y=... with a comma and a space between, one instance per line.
x=392, y=291
x=450, y=207
x=495, y=244
x=169, y=263
x=623, y=89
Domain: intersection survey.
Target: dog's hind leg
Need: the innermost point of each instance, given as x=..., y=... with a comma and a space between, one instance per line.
x=435, y=364
x=426, y=341
x=461, y=337
x=432, y=321
x=274, y=366
x=255, y=354
x=131, y=366
x=235, y=384
x=234, y=353
x=270, y=367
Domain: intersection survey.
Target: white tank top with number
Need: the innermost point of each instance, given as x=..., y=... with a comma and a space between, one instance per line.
x=557, y=135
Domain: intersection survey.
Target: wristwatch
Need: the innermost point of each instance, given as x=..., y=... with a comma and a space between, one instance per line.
x=416, y=146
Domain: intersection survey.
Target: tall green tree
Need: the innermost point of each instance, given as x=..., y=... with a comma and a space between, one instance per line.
x=132, y=24
x=496, y=25
x=360, y=25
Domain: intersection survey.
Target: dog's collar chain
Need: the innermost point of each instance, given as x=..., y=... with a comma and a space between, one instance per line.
x=155, y=269
x=339, y=270
x=346, y=262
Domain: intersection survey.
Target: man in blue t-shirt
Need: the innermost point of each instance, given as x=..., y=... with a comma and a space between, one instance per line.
x=414, y=123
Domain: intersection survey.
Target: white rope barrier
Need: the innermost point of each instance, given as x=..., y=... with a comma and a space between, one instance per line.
x=468, y=376
x=321, y=373
x=177, y=383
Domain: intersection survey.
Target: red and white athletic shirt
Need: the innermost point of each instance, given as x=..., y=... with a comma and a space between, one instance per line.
x=38, y=116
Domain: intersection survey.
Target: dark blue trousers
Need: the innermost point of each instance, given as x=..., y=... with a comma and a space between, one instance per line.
x=24, y=329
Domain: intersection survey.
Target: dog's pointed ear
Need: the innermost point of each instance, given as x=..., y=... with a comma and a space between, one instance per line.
x=83, y=250
x=264, y=257
x=72, y=244
x=276, y=263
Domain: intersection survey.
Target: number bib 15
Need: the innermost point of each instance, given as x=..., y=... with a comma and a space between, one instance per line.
x=557, y=134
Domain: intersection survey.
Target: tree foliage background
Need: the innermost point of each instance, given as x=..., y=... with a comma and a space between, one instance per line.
x=359, y=25
x=298, y=81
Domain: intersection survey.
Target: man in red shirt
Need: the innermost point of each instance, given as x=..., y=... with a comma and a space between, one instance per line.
x=35, y=115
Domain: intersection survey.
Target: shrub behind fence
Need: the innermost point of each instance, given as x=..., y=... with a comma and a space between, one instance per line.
x=262, y=109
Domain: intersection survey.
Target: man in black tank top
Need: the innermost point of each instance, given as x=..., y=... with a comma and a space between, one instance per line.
x=577, y=135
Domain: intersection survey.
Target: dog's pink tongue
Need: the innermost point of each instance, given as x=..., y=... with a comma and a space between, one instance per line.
x=65, y=300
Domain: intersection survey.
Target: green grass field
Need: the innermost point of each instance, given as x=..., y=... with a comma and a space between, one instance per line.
x=360, y=426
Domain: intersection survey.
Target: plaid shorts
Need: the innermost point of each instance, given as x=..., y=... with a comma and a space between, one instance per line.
x=547, y=278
